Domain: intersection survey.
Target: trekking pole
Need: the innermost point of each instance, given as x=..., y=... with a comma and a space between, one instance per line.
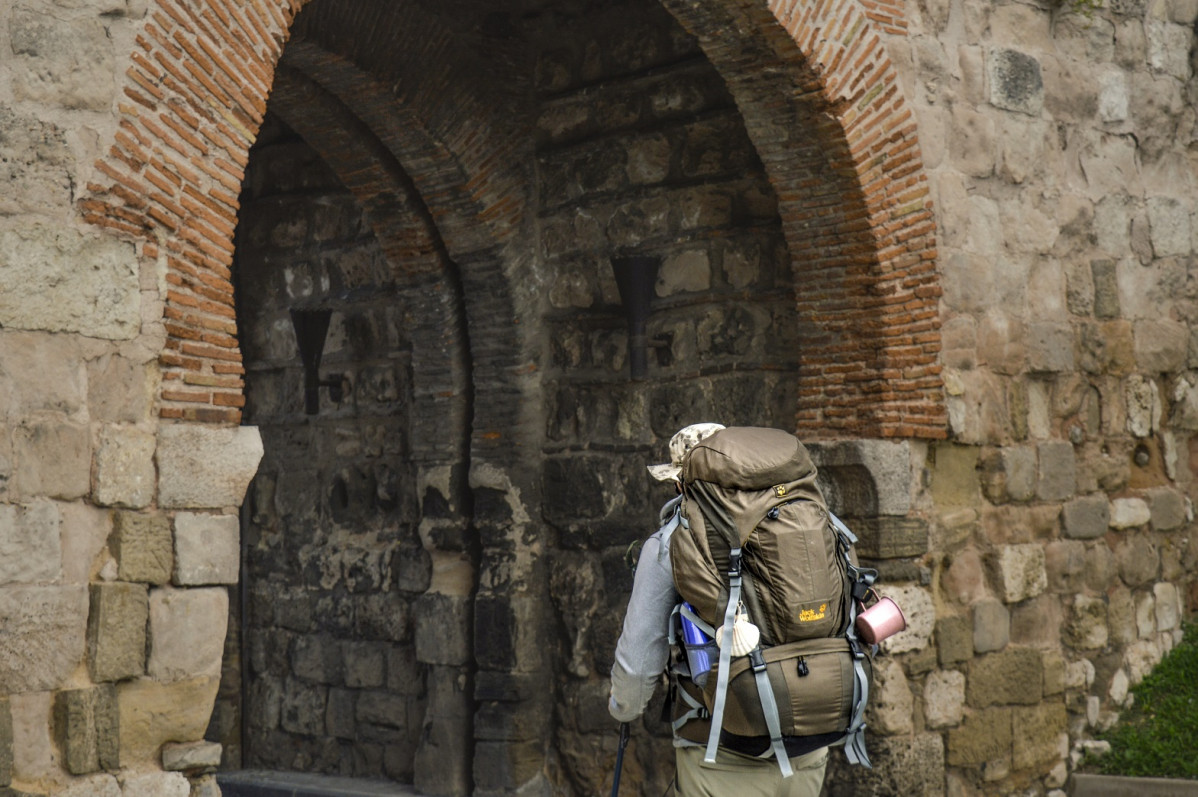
x=624, y=732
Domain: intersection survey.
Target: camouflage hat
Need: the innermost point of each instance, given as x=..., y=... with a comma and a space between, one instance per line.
x=680, y=443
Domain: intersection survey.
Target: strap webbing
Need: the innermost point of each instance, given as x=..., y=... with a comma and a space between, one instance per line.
x=697, y=710
x=703, y=625
x=721, y=689
x=769, y=707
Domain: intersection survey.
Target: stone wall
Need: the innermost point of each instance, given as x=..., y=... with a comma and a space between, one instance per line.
x=990, y=206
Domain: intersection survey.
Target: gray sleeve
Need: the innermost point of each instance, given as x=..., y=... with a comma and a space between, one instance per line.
x=643, y=649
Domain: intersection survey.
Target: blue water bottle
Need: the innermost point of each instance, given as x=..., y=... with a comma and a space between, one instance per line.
x=698, y=646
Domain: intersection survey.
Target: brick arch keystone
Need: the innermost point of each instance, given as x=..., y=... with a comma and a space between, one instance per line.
x=824, y=107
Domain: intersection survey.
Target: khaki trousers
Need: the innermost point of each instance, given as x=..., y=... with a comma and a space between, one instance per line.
x=735, y=775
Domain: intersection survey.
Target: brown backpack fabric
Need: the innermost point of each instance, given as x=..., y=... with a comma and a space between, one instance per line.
x=754, y=489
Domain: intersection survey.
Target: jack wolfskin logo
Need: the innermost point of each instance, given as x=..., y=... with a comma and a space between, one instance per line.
x=780, y=490
x=811, y=615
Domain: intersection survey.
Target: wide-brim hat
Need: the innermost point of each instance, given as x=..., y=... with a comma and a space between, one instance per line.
x=680, y=443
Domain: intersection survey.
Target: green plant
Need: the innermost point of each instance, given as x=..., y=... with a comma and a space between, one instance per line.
x=1158, y=735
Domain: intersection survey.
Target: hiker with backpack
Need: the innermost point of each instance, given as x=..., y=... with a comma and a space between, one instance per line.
x=752, y=585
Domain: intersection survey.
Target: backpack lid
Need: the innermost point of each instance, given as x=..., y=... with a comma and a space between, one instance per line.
x=748, y=458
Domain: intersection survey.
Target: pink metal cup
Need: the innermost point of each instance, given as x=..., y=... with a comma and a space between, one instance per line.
x=883, y=619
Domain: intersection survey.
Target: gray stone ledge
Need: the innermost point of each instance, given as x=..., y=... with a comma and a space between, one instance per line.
x=1115, y=786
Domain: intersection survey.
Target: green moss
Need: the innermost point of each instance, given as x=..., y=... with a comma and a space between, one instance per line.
x=1158, y=735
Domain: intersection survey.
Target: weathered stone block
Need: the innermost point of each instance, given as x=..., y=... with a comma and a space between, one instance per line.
x=86, y=726
x=120, y=390
x=1020, y=571
x=443, y=629
x=142, y=547
x=920, y=612
x=1038, y=735
x=187, y=632
x=964, y=579
x=191, y=756
x=1138, y=560
x=364, y=664
x=944, y=699
x=1129, y=513
x=1087, y=628
x=85, y=530
x=991, y=626
x=889, y=537
x=954, y=640
x=1161, y=345
x=1168, y=606
x=1167, y=508
x=124, y=468
x=116, y=631
x=318, y=658
x=891, y=704
x=207, y=549
x=1058, y=471
x=1013, y=676
x=1167, y=53
x=1086, y=518
x=54, y=460
x=153, y=713
x=202, y=467
x=984, y=736
x=30, y=543
x=869, y=476
x=156, y=784
x=1037, y=622
x=685, y=272
x=1065, y=562
x=42, y=286
x=94, y=786
x=43, y=633
x=1143, y=402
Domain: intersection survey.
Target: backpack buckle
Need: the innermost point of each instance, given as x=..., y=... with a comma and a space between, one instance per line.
x=756, y=660
x=734, y=563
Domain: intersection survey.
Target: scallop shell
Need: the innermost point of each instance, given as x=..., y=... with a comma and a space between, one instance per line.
x=745, y=635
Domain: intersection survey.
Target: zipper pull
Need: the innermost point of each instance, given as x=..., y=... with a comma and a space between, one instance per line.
x=804, y=670
x=773, y=513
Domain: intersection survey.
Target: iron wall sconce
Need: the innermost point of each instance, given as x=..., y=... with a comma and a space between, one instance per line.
x=311, y=328
x=636, y=277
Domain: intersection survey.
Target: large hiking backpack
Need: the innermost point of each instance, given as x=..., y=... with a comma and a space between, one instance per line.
x=753, y=530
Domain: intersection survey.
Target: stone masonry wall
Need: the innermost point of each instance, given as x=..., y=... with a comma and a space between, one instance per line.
x=641, y=150
x=334, y=561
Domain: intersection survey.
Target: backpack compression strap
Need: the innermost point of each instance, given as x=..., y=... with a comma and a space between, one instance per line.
x=769, y=707
x=721, y=690
x=854, y=742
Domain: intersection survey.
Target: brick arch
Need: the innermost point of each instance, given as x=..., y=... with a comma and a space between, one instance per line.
x=191, y=106
x=823, y=105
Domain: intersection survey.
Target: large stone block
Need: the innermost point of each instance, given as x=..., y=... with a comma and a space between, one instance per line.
x=865, y=477
x=944, y=699
x=61, y=61
x=1087, y=628
x=116, y=631
x=985, y=736
x=1058, y=471
x=153, y=713
x=156, y=784
x=1086, y=518
x=207, y=549
x=35, y=164
x=1143, y=402
x=1013, y=676
x=85, y=530
x=1037, y=740
x=30, y=543
x=1020, y=571
x=86, y=726
x=1015, y=81
x=918, y=608
x=201, y=467
x=43, y=632
x=891, y=704
x=53, y=459
x=991, y=626
x=142, y=547
x=187, y=632
x=94, y=786
x=43, y=287
x=191, y=756
x=443, y=629
x=124, y=468
x=1161, y=345
x=120, y=390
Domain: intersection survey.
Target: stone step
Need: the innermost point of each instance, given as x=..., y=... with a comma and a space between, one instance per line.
x=263, y=783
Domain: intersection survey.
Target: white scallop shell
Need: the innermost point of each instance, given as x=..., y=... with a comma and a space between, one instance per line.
x=745, y=636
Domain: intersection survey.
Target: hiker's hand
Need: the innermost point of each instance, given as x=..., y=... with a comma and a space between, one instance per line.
x=620, y=713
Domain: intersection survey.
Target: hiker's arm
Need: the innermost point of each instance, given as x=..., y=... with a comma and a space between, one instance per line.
x=643, y=649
